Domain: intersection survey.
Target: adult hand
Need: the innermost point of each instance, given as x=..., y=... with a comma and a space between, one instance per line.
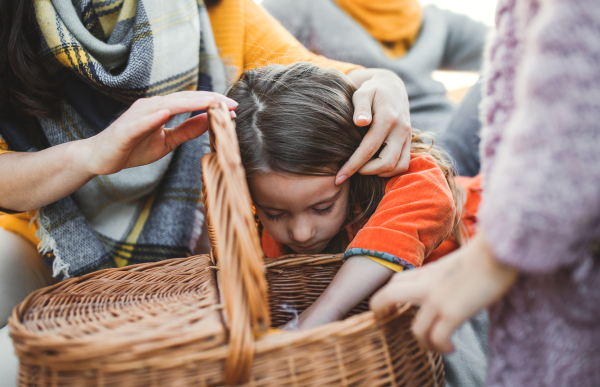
x=138, y=136
x=449, y=291
x=381, y=100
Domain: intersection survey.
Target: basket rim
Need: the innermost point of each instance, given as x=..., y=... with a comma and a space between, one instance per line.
x=269, y=342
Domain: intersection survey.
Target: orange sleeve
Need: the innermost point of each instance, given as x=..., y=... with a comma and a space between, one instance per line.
x=415, y=215
x=19, y=224
x=472, y=189
x=271, y=248
x=3, y=146
x=249, y=37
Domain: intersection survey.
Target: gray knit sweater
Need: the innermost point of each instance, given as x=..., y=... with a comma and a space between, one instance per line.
x=541, y=202
x=446, y=41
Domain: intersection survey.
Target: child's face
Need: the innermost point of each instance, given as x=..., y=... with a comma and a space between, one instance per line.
x=302, y=212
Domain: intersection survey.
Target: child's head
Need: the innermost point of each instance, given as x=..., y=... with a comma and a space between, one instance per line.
x=295, y=129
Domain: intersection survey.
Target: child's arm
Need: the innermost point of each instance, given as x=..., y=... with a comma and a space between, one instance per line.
x=358, y=278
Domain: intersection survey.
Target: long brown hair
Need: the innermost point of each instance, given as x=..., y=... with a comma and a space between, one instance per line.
x=298, y=119
x=25, y=87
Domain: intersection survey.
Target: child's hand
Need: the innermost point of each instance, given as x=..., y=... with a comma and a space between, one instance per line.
x=449, y=291
x=315, y=316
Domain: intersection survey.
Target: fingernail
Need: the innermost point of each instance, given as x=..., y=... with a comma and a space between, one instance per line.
x=231, y=103
x=340, y=179
x=362, y=117
x=232, y=113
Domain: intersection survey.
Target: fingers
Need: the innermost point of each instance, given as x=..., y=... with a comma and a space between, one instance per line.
x=403, y=162
x=186, y=131
x=368, y=147
x=363, y=101
x=433, y=329
x=393, y=159
x=130, y=130
x=382, y=101
x=423, y=323
x=153, y=120
x=231, y=104
x=440, y=334
x=177, y=103
x=400, y=290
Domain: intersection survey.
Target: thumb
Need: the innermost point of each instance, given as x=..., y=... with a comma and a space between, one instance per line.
x=363, y=102
x=187, y=130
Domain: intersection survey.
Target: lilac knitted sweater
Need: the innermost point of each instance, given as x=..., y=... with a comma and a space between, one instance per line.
x=541, y=203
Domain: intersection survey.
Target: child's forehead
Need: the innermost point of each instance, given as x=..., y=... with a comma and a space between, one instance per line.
x=277, y=190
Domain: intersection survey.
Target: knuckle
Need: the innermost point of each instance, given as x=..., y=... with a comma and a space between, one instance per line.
x=361, y=93
x=449, y=314
x=388, y=166
x=392, y=116
x=369, y=150
x=407, y=129
x=403, y=167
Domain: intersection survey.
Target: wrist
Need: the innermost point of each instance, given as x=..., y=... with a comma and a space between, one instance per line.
x=79, y=158
x=329, y=307
x=481, y=251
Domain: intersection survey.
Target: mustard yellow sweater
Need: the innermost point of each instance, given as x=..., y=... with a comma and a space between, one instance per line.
x=247, y=37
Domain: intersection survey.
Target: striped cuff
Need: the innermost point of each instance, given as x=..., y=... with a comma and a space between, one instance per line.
x=377, y=254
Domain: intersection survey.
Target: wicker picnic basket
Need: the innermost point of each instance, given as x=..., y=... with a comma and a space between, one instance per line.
x=204, y=320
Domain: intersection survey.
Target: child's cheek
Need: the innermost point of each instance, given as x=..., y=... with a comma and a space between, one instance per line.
x=275, y=229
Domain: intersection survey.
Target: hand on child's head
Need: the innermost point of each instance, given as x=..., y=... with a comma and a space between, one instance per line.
x=301, y=212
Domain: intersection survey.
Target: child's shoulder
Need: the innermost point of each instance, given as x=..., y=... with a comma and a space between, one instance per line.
x=421, y=167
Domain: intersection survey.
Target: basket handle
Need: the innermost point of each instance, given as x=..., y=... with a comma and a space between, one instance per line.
x=235, y=244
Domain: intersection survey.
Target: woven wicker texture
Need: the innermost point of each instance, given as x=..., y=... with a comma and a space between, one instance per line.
x=164, y=324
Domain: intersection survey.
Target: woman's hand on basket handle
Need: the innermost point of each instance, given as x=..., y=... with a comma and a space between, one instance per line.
x=381, y=100
x=29, y=180
x=139, y=137
x=450, y=291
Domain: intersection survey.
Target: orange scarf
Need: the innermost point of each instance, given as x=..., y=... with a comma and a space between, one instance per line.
x=394, y=23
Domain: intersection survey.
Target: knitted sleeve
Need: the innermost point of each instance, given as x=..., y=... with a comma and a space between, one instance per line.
x=541, y=199
x=415, y=215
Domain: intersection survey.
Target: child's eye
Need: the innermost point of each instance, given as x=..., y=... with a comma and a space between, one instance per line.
x=325, y=211
x=273, y=218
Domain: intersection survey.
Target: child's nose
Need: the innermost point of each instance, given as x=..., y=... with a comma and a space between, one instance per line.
x=301, y=231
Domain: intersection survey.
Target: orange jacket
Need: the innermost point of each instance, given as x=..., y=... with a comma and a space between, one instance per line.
x=414, y=217
x=472, y=188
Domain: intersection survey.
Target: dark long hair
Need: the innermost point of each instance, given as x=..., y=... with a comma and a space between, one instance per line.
x=25, y=86
x=299, y=119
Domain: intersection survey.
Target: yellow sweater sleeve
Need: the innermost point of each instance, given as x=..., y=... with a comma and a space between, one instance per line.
x=3, y=146
x=392, y=266
x=18, y=223
x=248, y=37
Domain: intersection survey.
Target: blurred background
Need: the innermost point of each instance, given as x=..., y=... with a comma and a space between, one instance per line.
x=458, y=82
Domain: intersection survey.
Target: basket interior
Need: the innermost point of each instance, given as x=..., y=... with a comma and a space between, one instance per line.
x=297, y=287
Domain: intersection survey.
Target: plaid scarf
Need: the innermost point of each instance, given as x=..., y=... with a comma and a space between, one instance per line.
x=110, y=53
